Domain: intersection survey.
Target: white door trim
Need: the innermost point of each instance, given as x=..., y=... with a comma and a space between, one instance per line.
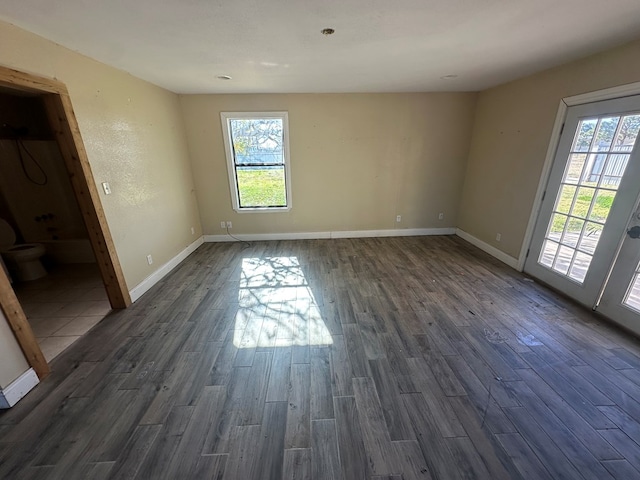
x=590, y=97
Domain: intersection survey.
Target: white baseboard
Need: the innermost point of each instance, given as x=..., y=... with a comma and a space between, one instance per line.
x=18, y=388
x=491, y=250
x=140, y=289
x=406, y=232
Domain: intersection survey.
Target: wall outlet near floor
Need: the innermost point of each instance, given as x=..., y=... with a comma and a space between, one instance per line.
x=223, y=225
x=441, y=216
x=229, y=225
x=398, y=218
x=498, y=237
x=149, y=259
x=193, y=231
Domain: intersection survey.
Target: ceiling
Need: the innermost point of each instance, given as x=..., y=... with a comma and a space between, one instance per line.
x=275, y=46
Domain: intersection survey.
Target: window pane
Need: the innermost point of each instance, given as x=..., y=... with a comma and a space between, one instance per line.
x=548, y=253
x=261, y=187
x=557, y=227
x=565, y=199
x=574, y=168
x=572, y=232
x=584, y=135
x=627, y=134
x=596, y=164
x=633, y=296
x=583, y=202
x=580, y=267
x=590, y=238
x=602, y=205
x=606, y=131
x=616, y=165
x=257, y=140
x=563, y=260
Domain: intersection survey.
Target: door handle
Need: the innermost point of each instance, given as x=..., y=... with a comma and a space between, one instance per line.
x=634, y=232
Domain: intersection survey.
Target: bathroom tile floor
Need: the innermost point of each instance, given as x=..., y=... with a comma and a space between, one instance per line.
x=64, y=305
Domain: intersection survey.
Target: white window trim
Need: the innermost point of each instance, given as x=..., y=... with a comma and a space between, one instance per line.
x=226, y=134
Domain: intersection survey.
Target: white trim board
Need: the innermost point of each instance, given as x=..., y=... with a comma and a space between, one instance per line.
x=491, y=250
x=542, y=184
x=406, y=232
x=144, y=286
x=606, y=94
x=18, y=388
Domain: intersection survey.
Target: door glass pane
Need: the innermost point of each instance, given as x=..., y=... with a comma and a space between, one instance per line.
x=627, y=133
x=563, y=259
x=587, y=192
x=565, y=199
x=574, y=168
x=584, y=135
x=572, y=232
x=548, y=254
x=602, y=205
x=606, y=132
x=614, y=169
x=580, y=266
x=632, y=298
x=583, y=202
x=590, y=237
x=557, y=227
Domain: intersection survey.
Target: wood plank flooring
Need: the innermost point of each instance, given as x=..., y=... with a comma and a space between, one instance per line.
x=397, y=358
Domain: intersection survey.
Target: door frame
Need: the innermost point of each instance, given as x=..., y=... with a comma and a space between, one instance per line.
x=626, y=90
x=65, y=127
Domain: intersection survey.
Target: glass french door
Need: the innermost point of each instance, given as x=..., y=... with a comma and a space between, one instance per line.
x=621, y=296
x=580, y=243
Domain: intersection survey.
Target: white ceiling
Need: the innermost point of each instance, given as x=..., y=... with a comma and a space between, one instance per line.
x=379, y=45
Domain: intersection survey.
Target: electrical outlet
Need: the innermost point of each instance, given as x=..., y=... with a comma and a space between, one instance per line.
x=441, y=216
x=193, y=231
x=398, y=218
x=498, y=237
x=149, y=259
x=229, y=225
x=223, y=225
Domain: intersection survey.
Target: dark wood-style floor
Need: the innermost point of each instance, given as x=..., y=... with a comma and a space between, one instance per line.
x=398, y=358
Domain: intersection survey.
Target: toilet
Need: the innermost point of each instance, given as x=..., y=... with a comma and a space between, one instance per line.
x=23, y=261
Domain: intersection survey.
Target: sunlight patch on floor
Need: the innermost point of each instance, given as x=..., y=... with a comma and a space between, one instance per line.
x=276, y=306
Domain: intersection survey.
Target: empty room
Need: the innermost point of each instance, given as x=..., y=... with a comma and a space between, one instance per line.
x=319, y=240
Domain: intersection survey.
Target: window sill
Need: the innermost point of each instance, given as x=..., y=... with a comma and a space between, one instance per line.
x=263, y=209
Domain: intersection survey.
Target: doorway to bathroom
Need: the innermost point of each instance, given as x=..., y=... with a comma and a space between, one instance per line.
x=44, y=244
x=48, y=199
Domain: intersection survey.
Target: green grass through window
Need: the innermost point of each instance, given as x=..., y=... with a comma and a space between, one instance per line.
x=600, y=210
x=262, y=187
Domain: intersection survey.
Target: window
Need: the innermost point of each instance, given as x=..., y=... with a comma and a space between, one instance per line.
x=257, y=151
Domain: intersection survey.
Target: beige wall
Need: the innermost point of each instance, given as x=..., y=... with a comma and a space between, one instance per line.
x=12, y=361
x=135, y=140
x=357, y=160
x=510, y=139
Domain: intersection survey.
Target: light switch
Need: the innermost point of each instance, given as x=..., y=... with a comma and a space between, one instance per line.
x=106, y=188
